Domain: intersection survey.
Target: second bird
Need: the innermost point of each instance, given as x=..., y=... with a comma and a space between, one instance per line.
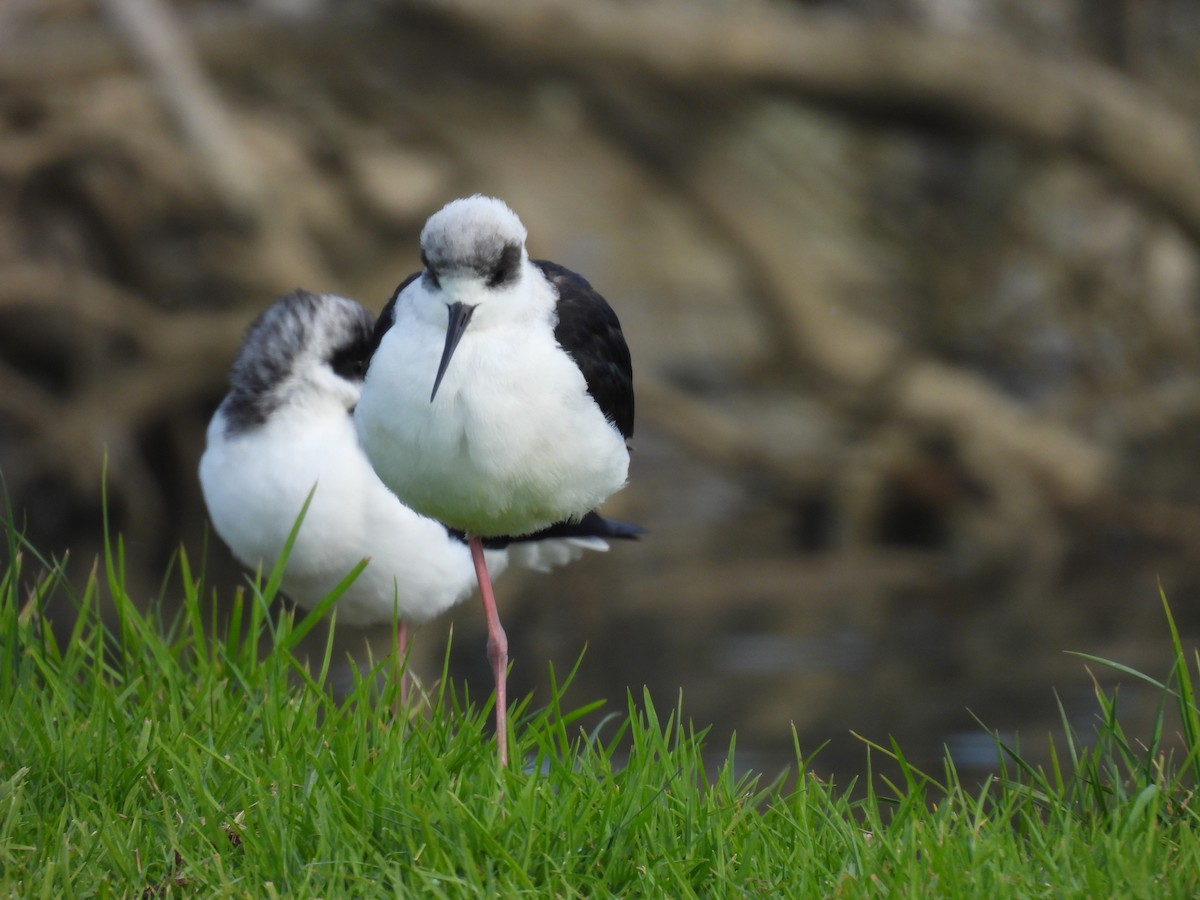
x=499, y=393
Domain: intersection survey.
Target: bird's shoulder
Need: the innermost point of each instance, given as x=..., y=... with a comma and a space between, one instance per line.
x=387, y=318
x=589, y=330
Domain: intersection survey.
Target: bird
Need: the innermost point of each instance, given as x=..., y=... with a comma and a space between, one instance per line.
x=498, y=396
x=285, y=429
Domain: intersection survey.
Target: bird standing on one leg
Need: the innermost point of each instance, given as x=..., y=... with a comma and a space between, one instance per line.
x=285, y=426
x=499, y=394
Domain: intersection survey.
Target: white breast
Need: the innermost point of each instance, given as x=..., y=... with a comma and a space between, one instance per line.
x=512, y=442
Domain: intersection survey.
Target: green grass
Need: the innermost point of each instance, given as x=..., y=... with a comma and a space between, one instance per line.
x=197, y=757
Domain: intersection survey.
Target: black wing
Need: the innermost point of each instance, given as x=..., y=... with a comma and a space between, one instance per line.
x=386, y=317
x=591, y=525
x=588, y=329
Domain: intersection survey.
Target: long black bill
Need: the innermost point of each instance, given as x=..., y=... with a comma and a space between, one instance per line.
x=460, y=316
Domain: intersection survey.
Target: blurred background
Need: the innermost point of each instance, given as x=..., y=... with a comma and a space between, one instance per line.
x=912, y=290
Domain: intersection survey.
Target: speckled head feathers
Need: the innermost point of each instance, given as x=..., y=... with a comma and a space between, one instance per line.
x=294, y=337
x=476, y=235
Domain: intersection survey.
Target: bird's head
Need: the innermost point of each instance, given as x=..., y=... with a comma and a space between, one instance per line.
x=305, y=349
x=474, y=255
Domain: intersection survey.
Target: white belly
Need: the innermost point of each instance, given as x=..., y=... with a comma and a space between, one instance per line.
x=512, y=442
x=255, y=484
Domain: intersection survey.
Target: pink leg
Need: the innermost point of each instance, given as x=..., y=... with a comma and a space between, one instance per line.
x=401, y=651
x=497, y=647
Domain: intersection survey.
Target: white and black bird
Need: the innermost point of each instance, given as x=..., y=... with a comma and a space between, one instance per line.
x=498, y=394
x=286, y=426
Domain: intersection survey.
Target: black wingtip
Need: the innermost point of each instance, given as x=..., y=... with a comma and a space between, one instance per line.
x=591, y=525
x=619, y=530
